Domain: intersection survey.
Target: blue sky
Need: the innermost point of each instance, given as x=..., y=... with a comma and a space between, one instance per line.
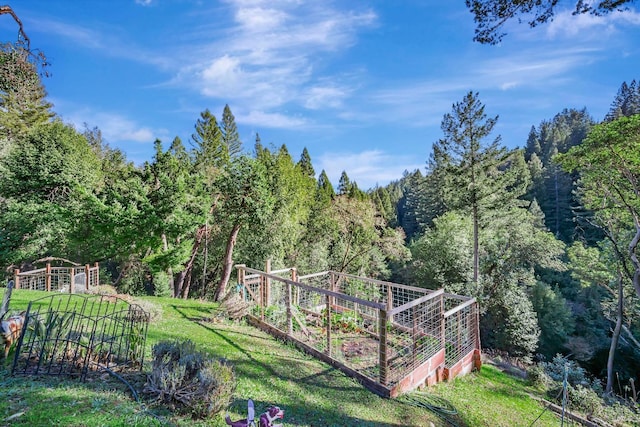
x=363, y=84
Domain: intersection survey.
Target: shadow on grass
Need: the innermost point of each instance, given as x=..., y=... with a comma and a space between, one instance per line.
x=181, y=309
x=305, y=372
x=304, y=414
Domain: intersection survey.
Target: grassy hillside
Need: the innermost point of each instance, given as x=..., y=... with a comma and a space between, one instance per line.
x=269, y=372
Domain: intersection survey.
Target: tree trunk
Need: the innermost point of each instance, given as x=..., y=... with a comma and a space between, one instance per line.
x=227, y=264
x=557, y=203
x=615, y=337
x=476, y=252
x=165, y=247
x=183, y=282
x=633, y=245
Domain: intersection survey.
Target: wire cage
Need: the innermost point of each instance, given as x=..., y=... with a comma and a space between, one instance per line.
x=392, y=337
x=73, y=335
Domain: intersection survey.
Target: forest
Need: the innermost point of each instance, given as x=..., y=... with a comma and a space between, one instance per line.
x=545, y=236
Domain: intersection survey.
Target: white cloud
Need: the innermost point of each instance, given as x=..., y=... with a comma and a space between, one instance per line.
x=366, y=168
x=115, y=127
x=590, y=26
x=270, y=120
x=258, y=19
x=144, y=2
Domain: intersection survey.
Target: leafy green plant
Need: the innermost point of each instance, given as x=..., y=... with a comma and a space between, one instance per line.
x=347, y=321
x=188, y=380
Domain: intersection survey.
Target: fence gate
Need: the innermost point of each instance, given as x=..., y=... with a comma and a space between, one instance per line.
x=74, y=334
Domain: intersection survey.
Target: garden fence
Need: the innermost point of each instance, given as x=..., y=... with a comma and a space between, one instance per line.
x=74, y=279
x=390, y=336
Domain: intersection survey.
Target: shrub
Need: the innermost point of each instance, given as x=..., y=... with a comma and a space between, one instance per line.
x=576, y=375
x=190, y=381
x=584, y=399
x=161, y=286
x=154, y=310
x=538, y=377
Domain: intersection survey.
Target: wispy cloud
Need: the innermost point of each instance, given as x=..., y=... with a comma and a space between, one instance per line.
x=366, y=168
x=111, y=43
x=272, y=53
x=533, y=67
x=589, y=26
x=423, y=102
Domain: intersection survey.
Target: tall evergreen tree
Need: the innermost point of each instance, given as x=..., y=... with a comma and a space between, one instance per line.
x=626, y=102
x=551, y=186
x=305, y=163
x=473, y=179
x=230, y=136
x=411, y=202
x=344, y=185
x=211, y=152
x=325, y=188
x=23, y=102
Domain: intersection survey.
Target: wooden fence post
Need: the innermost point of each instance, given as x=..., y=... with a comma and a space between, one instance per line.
x=47, y=277
x=477, y=325
x=414, y=332
x=267, y=293
x=295, y=291
x=328, y=350
x=86, y=276
x=72, y=273
x=241, y=272
x=287, y=299
x=16, y=280
x=97, y=266
x=383, y=362
x=443, y=322
x=262, y=296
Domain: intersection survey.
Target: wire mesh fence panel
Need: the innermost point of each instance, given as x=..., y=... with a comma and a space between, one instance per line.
x=414, y=335
x=275, y=307
x=317, y=280
x=73, y=334
x=460, y=332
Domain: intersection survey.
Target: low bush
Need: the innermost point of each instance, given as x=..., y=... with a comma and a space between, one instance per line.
x=538, y=377
x=190, y=381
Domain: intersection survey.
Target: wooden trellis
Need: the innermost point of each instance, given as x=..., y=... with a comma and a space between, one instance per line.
x=72, y=279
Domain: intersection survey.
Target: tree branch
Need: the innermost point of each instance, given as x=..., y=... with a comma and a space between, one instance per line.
x=6, y=9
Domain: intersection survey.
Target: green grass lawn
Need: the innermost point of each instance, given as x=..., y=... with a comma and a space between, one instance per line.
x=268, y=371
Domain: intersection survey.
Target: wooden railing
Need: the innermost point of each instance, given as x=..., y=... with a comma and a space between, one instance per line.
x=74, y=279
